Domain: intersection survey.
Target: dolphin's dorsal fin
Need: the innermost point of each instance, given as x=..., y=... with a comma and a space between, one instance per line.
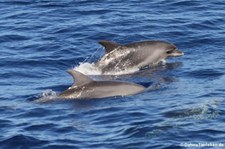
x=109, y=45
x=79, y=78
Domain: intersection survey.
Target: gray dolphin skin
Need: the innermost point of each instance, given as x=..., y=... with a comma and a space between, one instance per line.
x=86, y=88
x=135, y=55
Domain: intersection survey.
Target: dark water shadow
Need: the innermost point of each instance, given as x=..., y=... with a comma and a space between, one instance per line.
x=55, y=87
x=204, y=74
x=161, y=73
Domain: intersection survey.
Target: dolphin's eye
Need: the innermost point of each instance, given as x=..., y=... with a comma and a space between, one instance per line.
x=169, y=51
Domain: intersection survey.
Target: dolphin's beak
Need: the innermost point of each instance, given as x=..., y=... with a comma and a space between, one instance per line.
x=176, y=53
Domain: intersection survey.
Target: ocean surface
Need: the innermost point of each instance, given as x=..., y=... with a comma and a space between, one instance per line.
x=41, y=39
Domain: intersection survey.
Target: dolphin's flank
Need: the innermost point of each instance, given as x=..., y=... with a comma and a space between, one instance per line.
x=86, y=88
x=135, y=55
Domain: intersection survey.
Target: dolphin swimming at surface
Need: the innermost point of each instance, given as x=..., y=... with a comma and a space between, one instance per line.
x=86, y=88
x=135, y=55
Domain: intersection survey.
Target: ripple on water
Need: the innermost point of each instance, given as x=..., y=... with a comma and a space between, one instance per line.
x=205, y=74
x=13, y=38
x=22, y=141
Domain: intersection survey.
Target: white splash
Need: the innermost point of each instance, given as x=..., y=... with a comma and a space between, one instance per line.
x=90, y=69
x=163, y=61
x=87, y=68
x=48, y=95
x=122, y=72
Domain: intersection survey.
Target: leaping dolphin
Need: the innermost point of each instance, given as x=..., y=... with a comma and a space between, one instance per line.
x=135, y=55
x=86, y=88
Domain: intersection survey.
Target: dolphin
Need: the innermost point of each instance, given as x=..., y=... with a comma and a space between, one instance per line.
x=86, y=88
x=135, y=55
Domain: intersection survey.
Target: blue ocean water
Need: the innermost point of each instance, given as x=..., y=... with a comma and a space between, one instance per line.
x=41, y=39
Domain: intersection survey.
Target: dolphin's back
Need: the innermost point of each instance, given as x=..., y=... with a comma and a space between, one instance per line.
x=150, y=45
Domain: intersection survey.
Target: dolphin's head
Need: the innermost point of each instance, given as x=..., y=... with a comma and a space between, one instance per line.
x=162, y=50
x=172, y=51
